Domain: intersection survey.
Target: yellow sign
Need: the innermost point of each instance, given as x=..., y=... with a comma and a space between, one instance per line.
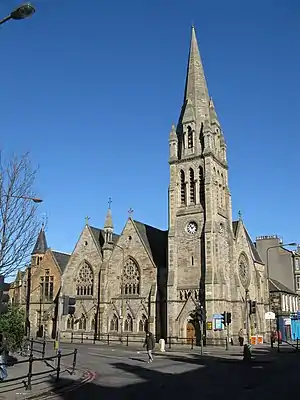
x=209, y=325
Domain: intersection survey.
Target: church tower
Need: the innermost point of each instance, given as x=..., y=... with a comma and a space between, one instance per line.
x=200, y=216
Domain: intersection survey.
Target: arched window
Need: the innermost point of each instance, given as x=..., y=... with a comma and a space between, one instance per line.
x=85, y=281
x=190, y=138
x=128, y=326
x=70, y=323
x=143, y=324
x=192, y=186
x=131, y=278
x=182, y=188
x=114, y=325
x=82, y=323
x=201, y=187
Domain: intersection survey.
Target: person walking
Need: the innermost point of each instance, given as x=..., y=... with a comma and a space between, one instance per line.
x=150, y=344
x=241, y=337
x=3, y=352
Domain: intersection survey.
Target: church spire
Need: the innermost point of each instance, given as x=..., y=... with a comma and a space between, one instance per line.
x=108, y=225
x=196, y=92
x=41, y=243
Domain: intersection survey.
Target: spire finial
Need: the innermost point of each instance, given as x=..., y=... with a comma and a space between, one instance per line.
x=130, y=212
x=240, y=215
x=87, y=220
x=109, y=203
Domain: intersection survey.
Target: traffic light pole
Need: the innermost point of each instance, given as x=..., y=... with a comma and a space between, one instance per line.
x=201, y=339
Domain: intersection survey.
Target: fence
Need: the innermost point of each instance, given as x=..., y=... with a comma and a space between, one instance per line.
x=129, y=339
x=31, y=360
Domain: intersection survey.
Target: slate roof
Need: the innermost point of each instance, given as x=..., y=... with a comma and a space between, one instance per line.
x=276, y=286
x=61, y=259
x=99, y=235
x=41, y=244
x=156, y=242
x=256, y=255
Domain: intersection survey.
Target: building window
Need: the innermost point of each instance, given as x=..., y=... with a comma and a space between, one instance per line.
x=131, y=278
x=114, y=325
x=93, y=324
x=192, y=186
x=85, y=281
x=201, y=187
x=82, y=323
x=128, y=326
x=297, y=282
x=46, y=288
x=143, y=324
x=190, y=138
x=182, y=188
x=70, y=323
x=244, y=273
x=297, y=264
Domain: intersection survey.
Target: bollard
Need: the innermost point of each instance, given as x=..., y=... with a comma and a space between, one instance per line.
x=58, y=365
x=29, y=376
x=162, y=345
x=247, y=353
x=74, y=361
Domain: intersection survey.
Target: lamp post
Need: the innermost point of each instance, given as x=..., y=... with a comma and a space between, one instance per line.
x=268, y=275
x=21, y=12
x=122, y=291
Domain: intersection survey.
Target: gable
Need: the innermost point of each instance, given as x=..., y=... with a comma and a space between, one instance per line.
x=99, y=235
x=236, y=225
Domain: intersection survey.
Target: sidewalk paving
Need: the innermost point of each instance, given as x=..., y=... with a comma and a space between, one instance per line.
x=14, y=386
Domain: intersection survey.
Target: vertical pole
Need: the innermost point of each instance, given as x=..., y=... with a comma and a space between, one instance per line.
x=27, y=322
x=74, y=361
x=122, y=293
x=247, y=317
x=227, y=335
x=201, y=339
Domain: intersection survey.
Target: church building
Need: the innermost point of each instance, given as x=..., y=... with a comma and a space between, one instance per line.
x=146, y=277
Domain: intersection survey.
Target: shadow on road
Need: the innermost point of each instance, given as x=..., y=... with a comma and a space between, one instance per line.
x=211, y=376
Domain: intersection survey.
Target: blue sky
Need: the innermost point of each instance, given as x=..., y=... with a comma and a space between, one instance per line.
x=92, y=87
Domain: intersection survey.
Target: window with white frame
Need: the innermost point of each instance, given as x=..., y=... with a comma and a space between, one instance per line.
x=297, y=264
x=298, y=282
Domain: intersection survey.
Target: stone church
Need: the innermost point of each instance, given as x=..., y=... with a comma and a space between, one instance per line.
x=149, y=277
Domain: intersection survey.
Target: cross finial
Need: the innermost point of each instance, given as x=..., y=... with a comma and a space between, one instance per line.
x=130, y=211
x=87, y=220
x=109, y=202
x=240, y=215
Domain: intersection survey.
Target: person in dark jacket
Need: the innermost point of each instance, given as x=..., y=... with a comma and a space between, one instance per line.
x=149, y=344
x=3, y=352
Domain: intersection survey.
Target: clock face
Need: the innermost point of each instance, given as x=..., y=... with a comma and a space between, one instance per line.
x=192, y=227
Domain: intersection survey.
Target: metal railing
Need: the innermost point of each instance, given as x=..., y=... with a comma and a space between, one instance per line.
x=27, y=379
x=128, y=339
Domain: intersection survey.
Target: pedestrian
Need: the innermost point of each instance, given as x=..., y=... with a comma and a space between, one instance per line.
x=3, y=352
x=241, y=337
x=149, y=344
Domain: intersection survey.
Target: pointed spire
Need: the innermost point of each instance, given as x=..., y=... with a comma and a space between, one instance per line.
x=173, y=134
x=41, y=243
x=108, y=220
x=196, y=87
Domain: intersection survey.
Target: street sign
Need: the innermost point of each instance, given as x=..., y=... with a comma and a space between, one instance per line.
x=270, y=315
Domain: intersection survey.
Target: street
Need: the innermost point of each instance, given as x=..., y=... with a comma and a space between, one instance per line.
x=124, y=373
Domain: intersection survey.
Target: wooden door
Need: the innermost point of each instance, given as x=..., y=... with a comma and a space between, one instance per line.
x=190, y=333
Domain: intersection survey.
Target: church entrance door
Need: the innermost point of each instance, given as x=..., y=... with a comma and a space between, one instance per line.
x=190, y=333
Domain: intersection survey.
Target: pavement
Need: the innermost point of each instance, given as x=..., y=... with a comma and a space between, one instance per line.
x=44, y=383
x=115, y=372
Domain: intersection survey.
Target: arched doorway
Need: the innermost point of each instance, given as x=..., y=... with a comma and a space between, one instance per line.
x=190, y=333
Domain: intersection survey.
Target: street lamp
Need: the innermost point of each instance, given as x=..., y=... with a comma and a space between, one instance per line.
x=21, y=12
x=267, y=265
x=34, y=199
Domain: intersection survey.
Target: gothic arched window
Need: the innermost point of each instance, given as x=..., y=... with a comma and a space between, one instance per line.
x=82, y=323
x=143, y=323
x=201, y=187
x=128, y=326
x=192, y=186
x=114, y=325
x=131, y=278
x=190, y=138
x=70, y=323
x=182, y=188
x=85, y=281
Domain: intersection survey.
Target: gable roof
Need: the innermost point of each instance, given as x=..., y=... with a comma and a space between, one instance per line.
x=61, y=259
x=255, y=253
x=155, y=241
x=276, y=286
x=99, y=235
